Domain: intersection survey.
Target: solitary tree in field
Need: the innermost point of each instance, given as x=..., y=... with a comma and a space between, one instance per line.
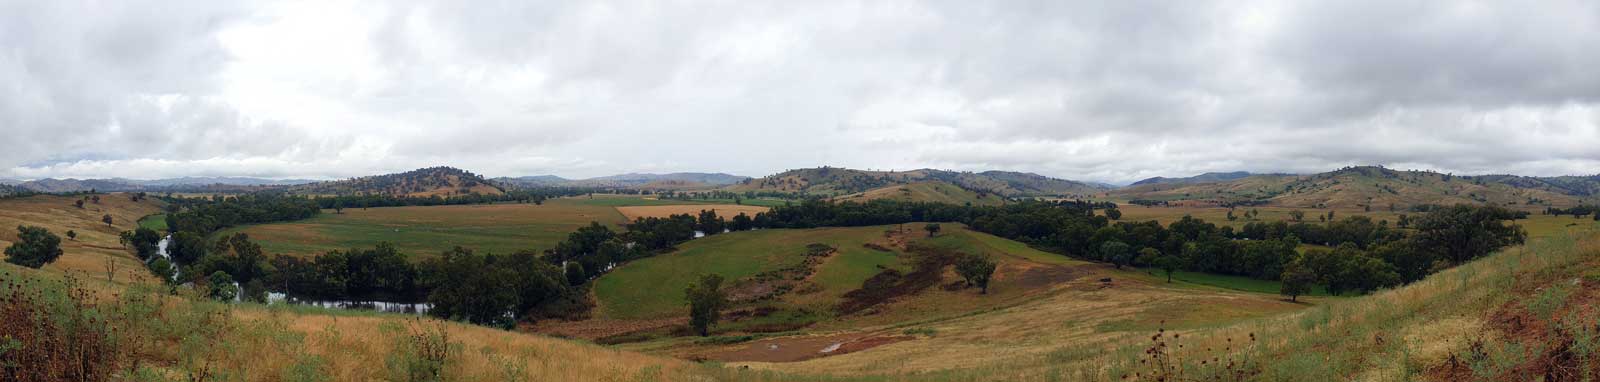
x=1297, y=215
x=35, y=247
x=1231, y=217
x=78, y=203
x=1168, y=264
x=1297, y=280
x=106, y=219
x=1116, y=252
x=96, y=199
x=932, y=228
x=338, y=207
x=72, y=235
x=706, y=300
x=977, y=270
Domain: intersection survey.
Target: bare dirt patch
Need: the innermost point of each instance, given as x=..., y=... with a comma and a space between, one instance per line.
x=794, y=349
x=723, y=210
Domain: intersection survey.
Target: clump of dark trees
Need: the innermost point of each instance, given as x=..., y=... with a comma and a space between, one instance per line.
x=1367, y=255
x=525, y=195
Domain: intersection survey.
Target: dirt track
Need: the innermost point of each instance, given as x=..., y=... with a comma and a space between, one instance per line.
x=792, y=349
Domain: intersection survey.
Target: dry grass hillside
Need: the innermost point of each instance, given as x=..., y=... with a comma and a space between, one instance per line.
x=97, y=242
x=933, y=191
x=1357, y=188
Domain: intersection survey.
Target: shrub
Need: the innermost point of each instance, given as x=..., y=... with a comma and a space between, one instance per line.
x=54, y=332
x=34, y=248
x=423, y=354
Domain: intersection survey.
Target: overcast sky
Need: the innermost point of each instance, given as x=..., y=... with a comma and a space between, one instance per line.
x=1108, y=91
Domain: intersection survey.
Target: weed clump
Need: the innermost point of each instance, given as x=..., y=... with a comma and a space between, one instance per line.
x=1165, y=360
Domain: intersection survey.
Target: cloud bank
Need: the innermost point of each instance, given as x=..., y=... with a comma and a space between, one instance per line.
x=1082, y=90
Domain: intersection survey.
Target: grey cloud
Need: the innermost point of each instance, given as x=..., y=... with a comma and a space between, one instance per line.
x=1106, y=91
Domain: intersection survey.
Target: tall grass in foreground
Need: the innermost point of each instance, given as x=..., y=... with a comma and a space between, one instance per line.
x=1392, y=335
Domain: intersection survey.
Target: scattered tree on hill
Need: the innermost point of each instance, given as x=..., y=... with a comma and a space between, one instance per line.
x=1297, y=215
x=1115, y=252
x=124, y=238
x=338, y=206
x=1297, y=281
x=106, y=219
x=977, y=270
x=1330, y=215
x=96, y=199
x=72, y=235
x=706, y=300
x=34, y=248
x=575, y=275
x=932, y=228
x=1231, y=217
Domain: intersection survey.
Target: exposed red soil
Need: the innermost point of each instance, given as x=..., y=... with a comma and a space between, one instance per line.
x=1551, y=356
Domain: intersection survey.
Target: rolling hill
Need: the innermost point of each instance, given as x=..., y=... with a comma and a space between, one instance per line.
x=1370, y=186
x=672, y=181
x=1209, y=177
x=184, y=184
x=930, y=191
x=835, y=181
x=432, y=181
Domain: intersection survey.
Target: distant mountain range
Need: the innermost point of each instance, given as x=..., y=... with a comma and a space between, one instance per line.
x=1367, y=187
x=836, y=181
x=677, y=180
x=171, y=184
x=1202, y=178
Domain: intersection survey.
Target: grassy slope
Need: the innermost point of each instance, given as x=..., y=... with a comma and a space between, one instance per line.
x=275, y=343
x=653, y=287
x=96, y=241
x=156, y=222
x=933, y=191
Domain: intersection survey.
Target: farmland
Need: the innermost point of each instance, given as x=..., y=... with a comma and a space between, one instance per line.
x=496, y=228
x=661, y=211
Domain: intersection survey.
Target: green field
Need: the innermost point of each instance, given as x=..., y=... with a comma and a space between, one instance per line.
x=156, y=222
x=495, y=228
x=610, y=200
x=653, y=287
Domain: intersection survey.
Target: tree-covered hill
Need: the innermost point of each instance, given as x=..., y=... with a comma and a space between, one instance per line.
x=1374, y=188
x=426, y=182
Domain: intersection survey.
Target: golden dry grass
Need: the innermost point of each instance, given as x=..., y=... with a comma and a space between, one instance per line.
x=96, y=241
x=723, y=210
